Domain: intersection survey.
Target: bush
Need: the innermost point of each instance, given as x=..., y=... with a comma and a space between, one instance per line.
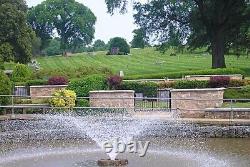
x=121, y=44
x=63, y=98
x=1, y=64
x=21, y=73
x=173, y=75
x=186, y=84
x=36, y=82
x=236, y=83
x=82, y=103
x=243, y=93
x=5, y=88
x=149, y=89
x=219, y=81
x=168, y=84
x=73, y=73
x=114, y=81
x=57, y=80
x=90, y=83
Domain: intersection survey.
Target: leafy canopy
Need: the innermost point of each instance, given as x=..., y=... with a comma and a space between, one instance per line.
x=119, y=43
x=15, y=35
x=140, y=39
x=73, y=22
x=217, y=24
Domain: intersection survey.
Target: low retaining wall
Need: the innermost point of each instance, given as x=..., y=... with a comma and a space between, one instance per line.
x=45, y=90
x=191, y=103
x=207, y=77
x=227, y=113
x=113, y=99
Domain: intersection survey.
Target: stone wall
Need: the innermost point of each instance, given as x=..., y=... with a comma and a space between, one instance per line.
x=207, y=77
x=113, y=99
x=227, y=113
x=191, y=103
x=45, y=90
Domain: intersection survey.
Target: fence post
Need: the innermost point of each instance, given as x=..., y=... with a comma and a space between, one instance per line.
x=12, y=109
x=231, y=113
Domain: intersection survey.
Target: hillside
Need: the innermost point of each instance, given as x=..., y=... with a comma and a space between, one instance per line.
x=141, y=61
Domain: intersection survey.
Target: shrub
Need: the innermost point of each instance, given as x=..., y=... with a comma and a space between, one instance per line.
x=21, y=73
x=173, y=75
x=243, y=93
x=82, y=103
x=63, y=98
x=114, y=81
x=73, y=73
x=121, y=44
x=168, y=84
x=5, y=88
x=89, y=83
x=236, y=83
x=57, y=80
x=149, y=89
x=186, y=84
x=1, y=64
x=36, y=82
x=219, y=81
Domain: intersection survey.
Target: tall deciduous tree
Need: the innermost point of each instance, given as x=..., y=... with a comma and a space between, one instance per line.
x=73, y=22
x=15, y=35
x=140, y=39
x=99, y=45
x=212, y=23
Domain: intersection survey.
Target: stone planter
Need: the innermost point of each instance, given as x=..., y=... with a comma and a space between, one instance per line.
x=44, y=90
x=112, y=99
x=191, y=103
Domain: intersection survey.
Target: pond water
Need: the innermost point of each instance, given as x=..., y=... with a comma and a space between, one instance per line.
x=75, y=141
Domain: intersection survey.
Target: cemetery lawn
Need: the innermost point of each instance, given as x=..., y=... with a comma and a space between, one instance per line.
x=141, y=61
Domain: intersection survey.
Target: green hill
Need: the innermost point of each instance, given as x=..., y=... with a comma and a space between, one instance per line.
x=140, y=62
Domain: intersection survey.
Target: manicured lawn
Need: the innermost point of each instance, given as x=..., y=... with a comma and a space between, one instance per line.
x=237, y=105
x=141, y=61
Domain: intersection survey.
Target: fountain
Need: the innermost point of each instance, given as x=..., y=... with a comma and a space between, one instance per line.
x=76, y=139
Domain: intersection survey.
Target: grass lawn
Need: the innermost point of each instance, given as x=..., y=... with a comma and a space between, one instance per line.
x=237, y=105
x=141, y=61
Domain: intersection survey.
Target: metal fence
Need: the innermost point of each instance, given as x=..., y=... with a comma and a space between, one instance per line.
x=39, y=104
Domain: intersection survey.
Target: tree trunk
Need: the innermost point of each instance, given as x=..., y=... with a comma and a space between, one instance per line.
x=218, y=50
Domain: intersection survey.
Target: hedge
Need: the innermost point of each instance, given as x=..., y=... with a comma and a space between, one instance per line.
x=36, y=82
x=89, y=83
x=243, y=93
x=5, y=88
x=173, y=75
x=186, y=84
x=149, y=89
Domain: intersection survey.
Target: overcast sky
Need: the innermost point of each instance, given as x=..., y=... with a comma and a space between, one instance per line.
x=107, y=26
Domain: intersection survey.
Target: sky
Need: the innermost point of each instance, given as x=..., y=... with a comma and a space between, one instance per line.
x=107, y=26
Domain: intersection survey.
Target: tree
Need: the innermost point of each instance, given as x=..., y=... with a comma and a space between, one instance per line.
x=73, y=22
x=6, y=52
x=53, y=48
x=211, y=23
x=99, y=45
x=140, y=39
x=118, y=45
x=15, y=34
